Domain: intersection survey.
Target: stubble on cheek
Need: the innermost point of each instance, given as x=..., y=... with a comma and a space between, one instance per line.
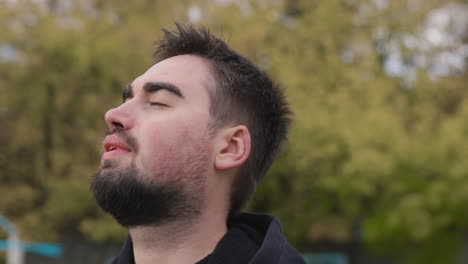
x=186, y=159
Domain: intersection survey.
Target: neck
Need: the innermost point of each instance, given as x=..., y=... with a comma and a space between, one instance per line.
x=186, y=241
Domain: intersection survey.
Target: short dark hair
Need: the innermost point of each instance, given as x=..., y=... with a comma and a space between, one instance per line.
x=243, y=94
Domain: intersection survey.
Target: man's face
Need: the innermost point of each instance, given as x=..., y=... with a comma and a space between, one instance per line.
x=158, y=153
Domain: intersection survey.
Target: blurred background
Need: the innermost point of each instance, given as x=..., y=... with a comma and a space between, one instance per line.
x=375, y=170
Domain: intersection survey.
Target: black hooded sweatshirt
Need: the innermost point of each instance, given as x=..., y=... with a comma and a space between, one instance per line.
x=251, y=239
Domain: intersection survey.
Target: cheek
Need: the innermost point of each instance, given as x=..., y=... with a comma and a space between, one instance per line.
x=168, y=154
x=159, y=154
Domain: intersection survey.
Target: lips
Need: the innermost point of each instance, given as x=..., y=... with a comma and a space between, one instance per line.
x=114, y=146
x=111, y=146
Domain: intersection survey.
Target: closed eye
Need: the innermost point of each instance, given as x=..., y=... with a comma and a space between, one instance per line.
x=157, y=103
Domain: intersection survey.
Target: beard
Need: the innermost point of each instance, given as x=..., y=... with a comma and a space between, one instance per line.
x=135, y=198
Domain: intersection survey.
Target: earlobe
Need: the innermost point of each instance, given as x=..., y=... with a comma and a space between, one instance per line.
x=234, y=147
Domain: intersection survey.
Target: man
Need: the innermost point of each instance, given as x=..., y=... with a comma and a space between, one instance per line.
x=195, y=134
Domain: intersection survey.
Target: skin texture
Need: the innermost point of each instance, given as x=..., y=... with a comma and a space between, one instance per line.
x=171, y=146
x=166, y=131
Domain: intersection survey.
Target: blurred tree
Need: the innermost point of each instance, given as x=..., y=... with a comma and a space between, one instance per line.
x=371, y=156
x=71, y=62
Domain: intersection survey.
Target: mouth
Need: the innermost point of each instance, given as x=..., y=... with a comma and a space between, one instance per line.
x=114, y=147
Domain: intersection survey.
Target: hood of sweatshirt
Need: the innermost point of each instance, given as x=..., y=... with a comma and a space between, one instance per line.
x=274, y=247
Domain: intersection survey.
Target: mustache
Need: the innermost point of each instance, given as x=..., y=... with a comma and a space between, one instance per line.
x=129, y=140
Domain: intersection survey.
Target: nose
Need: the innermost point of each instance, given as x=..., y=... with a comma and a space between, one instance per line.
x=119, y=117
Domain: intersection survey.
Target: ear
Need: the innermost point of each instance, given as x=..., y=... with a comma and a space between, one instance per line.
x=233, y=147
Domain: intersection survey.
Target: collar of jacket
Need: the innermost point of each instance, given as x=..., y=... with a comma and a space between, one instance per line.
x=274, y=249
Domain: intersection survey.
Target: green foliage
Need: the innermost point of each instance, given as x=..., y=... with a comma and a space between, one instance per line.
x=69, y=71
x=364, y=152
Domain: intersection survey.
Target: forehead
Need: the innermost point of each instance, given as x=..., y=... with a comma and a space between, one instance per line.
x=190, y=73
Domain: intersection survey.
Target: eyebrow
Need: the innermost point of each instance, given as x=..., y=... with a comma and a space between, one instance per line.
x=152, y=87
x=127, y=93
